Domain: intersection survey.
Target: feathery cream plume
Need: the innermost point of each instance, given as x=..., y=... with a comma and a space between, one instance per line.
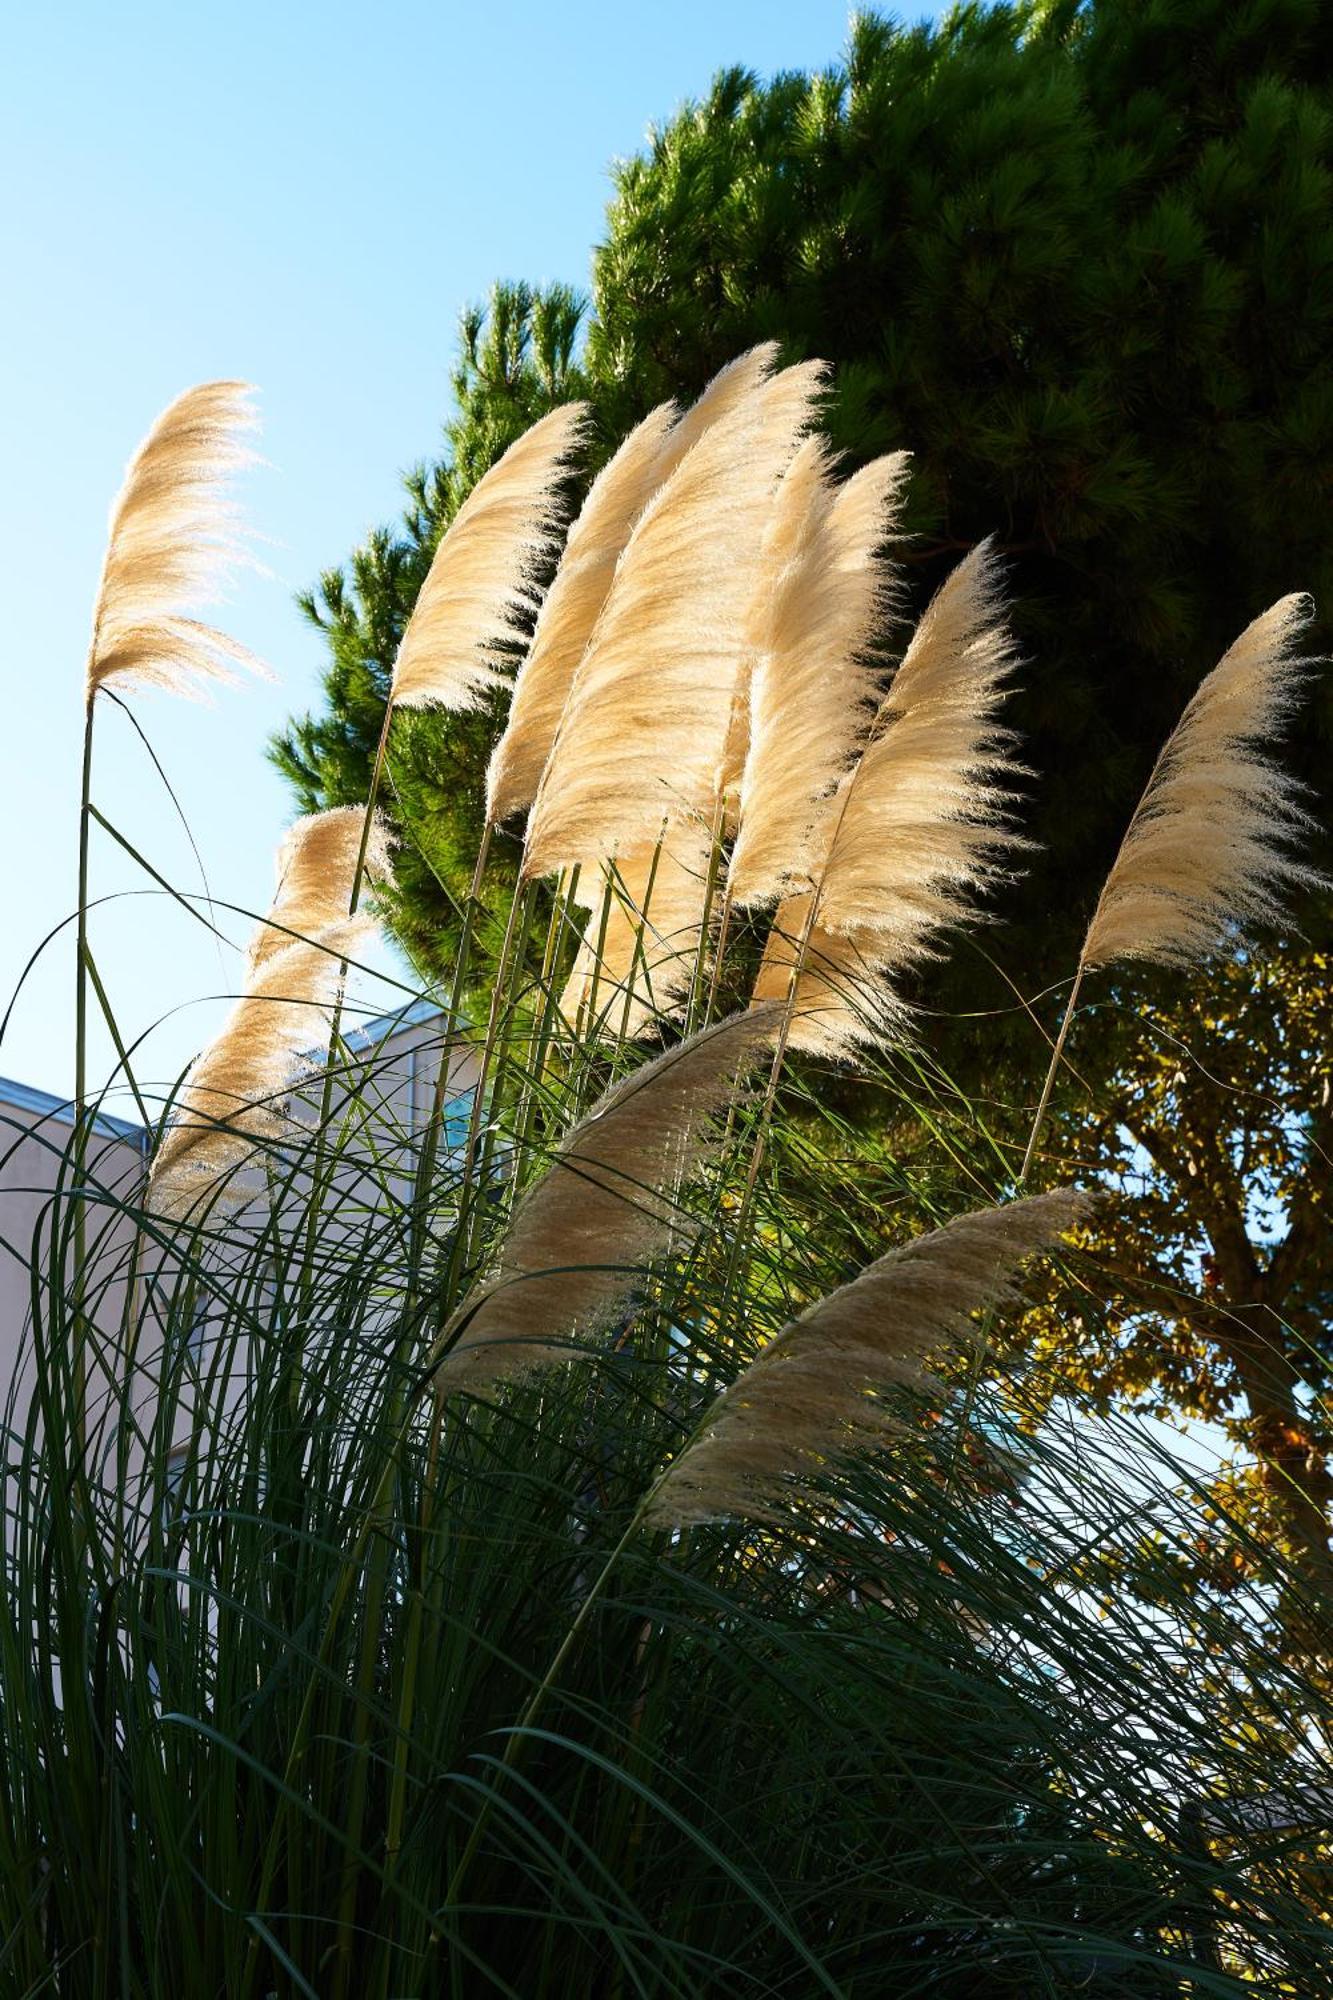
x=644, y=728
x=582, y=1235
x=842, y=999
x=1206, y=851
x=728, y=389
x=913, y=832
x=814, y=1396
x=816, y=620
x=234, y=1098
x=316, y=868
x=174, y=539
x=654, y=927
x=618, y=496
x=481, y=587
x=578, y=591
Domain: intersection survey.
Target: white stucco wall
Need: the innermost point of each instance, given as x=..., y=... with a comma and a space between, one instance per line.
x=385, y=1093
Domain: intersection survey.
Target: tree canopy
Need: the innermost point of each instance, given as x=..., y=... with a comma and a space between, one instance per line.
x=1078, y=259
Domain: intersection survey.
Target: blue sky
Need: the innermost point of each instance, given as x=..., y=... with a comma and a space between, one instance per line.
x=305, y=197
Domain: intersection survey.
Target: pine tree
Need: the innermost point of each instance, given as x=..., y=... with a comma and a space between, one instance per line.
x=1078, y=258
x=1080, y=261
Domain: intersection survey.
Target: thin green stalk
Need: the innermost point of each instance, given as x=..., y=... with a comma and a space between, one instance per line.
x=425, y=1169
x=79, y=1357
x=499, y=1013
x=317, y=1188
x=759, y=1146
x=719, y=954
x=639, y=957
x=500, y=1061
x=701, y=956
x=1049, y=1084
x=588, y=1019
x=550, y=1012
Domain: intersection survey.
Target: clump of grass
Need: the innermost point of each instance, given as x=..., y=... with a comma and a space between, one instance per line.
x=349, y=1646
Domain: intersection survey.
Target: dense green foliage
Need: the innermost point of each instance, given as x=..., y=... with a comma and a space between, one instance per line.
x=1080, y=261
x=270, y=1642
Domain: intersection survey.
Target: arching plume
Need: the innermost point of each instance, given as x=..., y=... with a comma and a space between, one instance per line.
x=316, y=868
x=578, y=591
x=235, y=1096
x=916, y=831
x=654, y=927
x=583, y=1234
x=174, y=540
x=482, y=585
x=812, y=1396
x=619, y=494
x=817, y=617
x=843, y=999
x=1207, y=851
x=643, y=732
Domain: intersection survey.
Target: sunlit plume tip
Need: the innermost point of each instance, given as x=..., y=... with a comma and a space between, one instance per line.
x=175, y=539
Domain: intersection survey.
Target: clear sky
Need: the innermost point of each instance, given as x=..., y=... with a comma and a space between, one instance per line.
x=303, y=196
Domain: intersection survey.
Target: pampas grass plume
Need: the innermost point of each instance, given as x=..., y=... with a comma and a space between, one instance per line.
x=233, y=1100
x=316, y=869
x=822, y=602
x=618, y=496
x=645, y=726
x=174, y=540
x=1207, y=851
x=812, y=1396
x=582, y=1235
x=482, y=585
x=234, y=1097
x=578, y=591
x=914, y=832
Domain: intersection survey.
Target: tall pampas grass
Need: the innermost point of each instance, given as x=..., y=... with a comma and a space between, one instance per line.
x=318, y=865
x=617, y=498
x=914, y=833
x=174, y=540
x=647, y=718
x=818, y=618
x=235, y=1097
x=1207, y=854
x=234, y=1100
x=813, y=1395
x=636, y=965
x=483, y=583
x=582, y=1235
x=578, y=591
x=1207, y=851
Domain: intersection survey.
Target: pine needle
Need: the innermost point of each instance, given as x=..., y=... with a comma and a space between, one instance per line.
x=816, y=621
x=1206, y=855
x=174, y=540
x=814, y=1395
x=645, y=726
x=482, y=589
x=582, y=1236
